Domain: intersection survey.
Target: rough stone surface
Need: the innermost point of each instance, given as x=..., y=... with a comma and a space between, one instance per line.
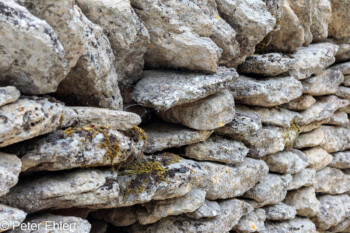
x=8, y=95
x=302, y=103
x=11, y=216
x=266, y=92
x=297, y=225
x=347, y=81
x=307, y=177
x=165, y=89
x=30, y=117
x=343, y=92
x=304, y=201
x=341, y=227
x=209, y=209
x=162, y=136
x=205, y=114
x=32, y=58
x=218, y=149
x=10, y=167
x=341, y=160
x=321, y=18
x=339, y=118
x=290, y=162
x=252, y=222
x=343, y=67
x=318, y=158
x=280, y=212
x=332, y=181
x=339, y=28
x=224, y=181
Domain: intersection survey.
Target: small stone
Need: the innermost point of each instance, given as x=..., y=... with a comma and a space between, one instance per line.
x=280, y=212
x=267, y=92
x=321, y=18
x=8, y=95
x=252, y=222
x=209, y=113
x=297, y=225
x=222, y=182
x=342, y=227
x=318, y=158
x=342, y=67
x=341, y=160
x=307, y=177
x=302, y=103
x=162, y=136
x=304, y=201
x=209, y=209
x=163, y=90
x=339, y=27
x=120, y=217
x=10, y=216
x=343, y=92
x=332, y=181
x=339, y=118
x=10, y=167
x=218, y=149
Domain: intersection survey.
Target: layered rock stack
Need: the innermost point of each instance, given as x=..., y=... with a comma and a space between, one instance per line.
x=175, y=116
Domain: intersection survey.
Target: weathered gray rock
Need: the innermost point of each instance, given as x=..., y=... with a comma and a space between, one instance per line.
x=343, y=67
x=333, y=210
x=223, y=181
x=343, y=92
x=209, y=209
x=332, y=181
x=280, y=212
x=209, y=113
x=218, y=149
x=10, y=216
x=342, y=227
x=324, y=83
x=175, y=206
x=270, y=190
x=321, y=18
x=163, y=90
x=161, y=136
x=290, y=162
x=266, y=92
x=29, y=117
x=304, y=201
x=313, y=59
x=118, y=120
x=302, y=103
x=318, y=158
x=347, y=81
x=339, y=27
x=45, y=223
x=339, y=118
x=10, y=167
x=231, y=212
x=251, y=21
x=341, y=160
x=252, y=222
x=270, y=64
x=297, y=225
x=307, y=177
x=8, y=95
x=32, y=58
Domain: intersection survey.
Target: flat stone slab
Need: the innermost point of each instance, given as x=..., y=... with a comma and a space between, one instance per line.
x=8, y=95
x=10, y=167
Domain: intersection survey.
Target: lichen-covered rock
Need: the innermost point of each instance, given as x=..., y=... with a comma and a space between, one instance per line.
x=120, y=217
x=11, y=217
x=332, y=181
x=302, y=103
x=8, y=95
x=307, y=177
x=119, y=120
x=297, y=225
x=321, y=18
x=252, y=222
x=341, y=160
x=231, y=212
x=175, y=206
x=304, y=201
x=280, y=212
x=324, y=83
x=161, y=136
x=270, y=64
x=318, y=158
x=343, y=92
x=29, y=117
x=290, y=162
x=218, y=149
x=339, y=27
x=223, y=181
x=163, y=90
x=209, y=209
x=313, y=59
x=32, y=58
x=333, y=210
x=339, y=118
x=209, y=113
x=265, y=92
x=10, y=167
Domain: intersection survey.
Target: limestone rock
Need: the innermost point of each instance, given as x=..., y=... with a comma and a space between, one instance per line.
x=333, y=210
x=321, y=18
x=332, y=181
x=270, y=190
x=347, y=81
x=313, y=59
x=223, y=181
x=302, y=103
x=339, y=27
x=252, y=222
x=209, y=209
x=307, y=177
x=304, y=201
x=175, y=206
x=342, y=227
x=32, y=116
x=218, y=149
x=10, y=167
x=266, y=92
x=8, y=95
x=118, y=120
x=323, y=84
x=45, y=224
x=162, y=136
x=297, y=225
x=231, y=212
x=290, y=162
x=120, y=217
x=339, y=118
x=32, y=58
x=341, y=160
x=205, y=114
x=280, y=212
x=270, y=64
x=318, y=158
x=163, y=90
x=343, y=67
x=10, y=216
x=343, y=92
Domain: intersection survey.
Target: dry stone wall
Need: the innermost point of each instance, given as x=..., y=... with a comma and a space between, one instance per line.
x=168, y=116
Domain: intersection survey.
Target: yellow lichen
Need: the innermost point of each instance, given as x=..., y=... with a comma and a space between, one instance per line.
x=290, y=135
